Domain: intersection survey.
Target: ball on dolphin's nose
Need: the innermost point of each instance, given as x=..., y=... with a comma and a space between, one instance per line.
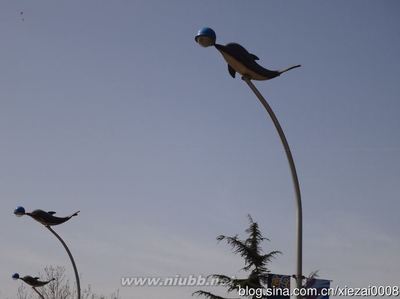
x=15, y=276
x=19, y=211
x=206, y=37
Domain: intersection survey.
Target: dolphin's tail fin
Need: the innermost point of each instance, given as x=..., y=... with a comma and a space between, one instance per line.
x=290, y=68
x=75, y=214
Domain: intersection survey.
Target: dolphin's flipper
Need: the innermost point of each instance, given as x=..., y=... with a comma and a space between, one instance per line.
x=231, y=71
x=254, y=57
x=51, y=212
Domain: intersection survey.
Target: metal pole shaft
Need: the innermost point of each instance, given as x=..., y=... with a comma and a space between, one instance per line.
x=37, y=292
x=78, y=285
x=295, y=179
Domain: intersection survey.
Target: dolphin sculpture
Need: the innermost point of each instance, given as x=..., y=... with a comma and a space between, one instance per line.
x=32, y=281
x=45, y=218
x=239, y=60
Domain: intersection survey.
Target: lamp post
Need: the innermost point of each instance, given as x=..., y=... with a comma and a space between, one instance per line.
x=48, y=219
x=240, y=61
x=34, y=282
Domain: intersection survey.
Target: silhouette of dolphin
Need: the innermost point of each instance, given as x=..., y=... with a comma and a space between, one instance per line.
x=241, y=61
x=34, y=281
x=48, y=218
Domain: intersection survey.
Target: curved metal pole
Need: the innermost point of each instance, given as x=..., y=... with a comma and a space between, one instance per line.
x=263, y=101
x=78, y=285
x=37, y=292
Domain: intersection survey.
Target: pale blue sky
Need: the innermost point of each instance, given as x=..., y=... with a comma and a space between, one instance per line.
x=111, y=108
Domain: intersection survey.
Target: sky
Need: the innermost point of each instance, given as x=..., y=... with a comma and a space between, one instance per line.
x=111, y=108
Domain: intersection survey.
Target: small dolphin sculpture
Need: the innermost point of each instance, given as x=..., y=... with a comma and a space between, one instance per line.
x=45, y=218
x=32, y=281
x=241, y=61
x=238, y=58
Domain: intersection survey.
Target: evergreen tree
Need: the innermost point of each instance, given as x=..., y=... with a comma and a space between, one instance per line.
x=255, y=262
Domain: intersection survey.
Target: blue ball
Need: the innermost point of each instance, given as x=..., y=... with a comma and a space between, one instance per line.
x=206, y=37
x=15, y=276
x=19, y=211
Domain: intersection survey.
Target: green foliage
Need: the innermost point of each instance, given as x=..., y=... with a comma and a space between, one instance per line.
x=255, y=261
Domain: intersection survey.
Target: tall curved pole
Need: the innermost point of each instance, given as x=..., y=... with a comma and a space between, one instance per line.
x=78, y=284
x=37, y=292
x=263, y=101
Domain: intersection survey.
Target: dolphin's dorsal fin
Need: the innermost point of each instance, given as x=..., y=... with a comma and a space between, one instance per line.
x=51, y=212
x=254, y=57
x=231, y=71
